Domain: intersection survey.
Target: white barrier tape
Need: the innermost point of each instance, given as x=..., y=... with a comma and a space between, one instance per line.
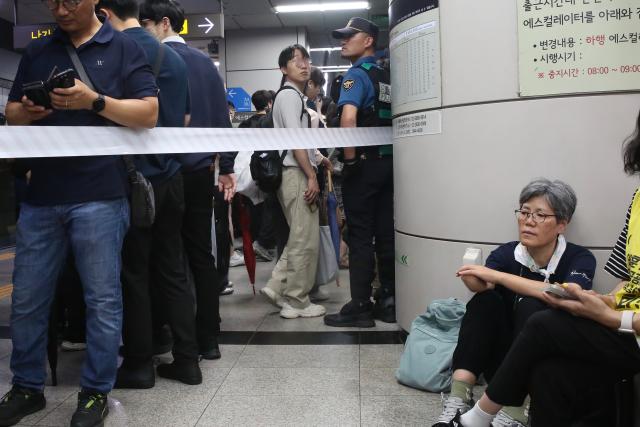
x=69, y=141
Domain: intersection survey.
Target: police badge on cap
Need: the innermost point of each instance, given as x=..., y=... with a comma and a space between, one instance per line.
x=356, y=25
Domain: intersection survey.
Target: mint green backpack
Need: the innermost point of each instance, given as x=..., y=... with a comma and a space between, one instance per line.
x=426, y=360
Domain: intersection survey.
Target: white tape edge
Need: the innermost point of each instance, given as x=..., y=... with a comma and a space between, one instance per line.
x=70, y=141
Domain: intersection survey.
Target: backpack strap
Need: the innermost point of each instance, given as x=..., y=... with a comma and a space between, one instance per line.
x=303, y=110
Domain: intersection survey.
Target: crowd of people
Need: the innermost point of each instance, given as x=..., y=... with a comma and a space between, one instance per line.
x=156, y=288
x=129, y=286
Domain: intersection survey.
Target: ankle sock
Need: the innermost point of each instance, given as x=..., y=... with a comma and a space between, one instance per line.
x=476, y=417
x=462, y=389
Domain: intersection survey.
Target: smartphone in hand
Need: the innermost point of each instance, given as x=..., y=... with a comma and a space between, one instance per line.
x=558, y=291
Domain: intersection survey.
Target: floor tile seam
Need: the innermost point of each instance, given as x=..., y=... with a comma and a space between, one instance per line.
x=36, y=423
x=360, y=380
x=288, y=395
x=220, y=386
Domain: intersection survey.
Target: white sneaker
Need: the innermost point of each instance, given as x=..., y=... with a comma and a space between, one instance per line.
x=321, y=294
x=272, y=296
x=312, y=310
x=236, y=259
x=73, y=346
x=502, y=419
x=450, y=407
x=262, y=252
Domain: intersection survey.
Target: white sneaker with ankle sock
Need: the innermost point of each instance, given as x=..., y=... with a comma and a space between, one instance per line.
x=312, y=310
x=476, y=417
x=272, y=296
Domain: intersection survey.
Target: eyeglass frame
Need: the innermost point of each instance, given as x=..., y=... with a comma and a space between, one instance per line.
x=519, y=216
x=57, y=3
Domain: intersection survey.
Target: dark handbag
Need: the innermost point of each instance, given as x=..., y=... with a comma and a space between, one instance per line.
x=141, y=201
x=266, y=169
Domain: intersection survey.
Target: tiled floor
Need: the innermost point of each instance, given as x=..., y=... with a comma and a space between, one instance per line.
x=259, y=385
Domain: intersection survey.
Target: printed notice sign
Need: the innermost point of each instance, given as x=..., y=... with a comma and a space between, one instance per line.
x=577, y=46
x=415, y=63
x=423, y=123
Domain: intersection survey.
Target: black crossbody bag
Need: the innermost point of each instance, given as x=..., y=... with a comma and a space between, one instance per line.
x=141, y=200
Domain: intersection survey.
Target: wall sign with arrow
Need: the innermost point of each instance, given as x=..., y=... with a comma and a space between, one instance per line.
x=204, y=26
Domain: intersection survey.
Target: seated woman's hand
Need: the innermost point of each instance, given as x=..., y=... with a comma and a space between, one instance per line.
x=588, y=304
x=481, y=272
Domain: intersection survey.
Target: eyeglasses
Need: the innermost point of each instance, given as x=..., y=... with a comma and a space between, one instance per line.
x=301, y=62
x=538, y=217
x=70, y=5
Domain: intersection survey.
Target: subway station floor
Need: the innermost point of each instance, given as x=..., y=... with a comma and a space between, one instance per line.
x=273, y=372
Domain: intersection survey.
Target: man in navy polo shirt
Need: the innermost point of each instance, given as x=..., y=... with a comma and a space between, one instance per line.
x=76, y=202
x=153, y=258
x=164, y=19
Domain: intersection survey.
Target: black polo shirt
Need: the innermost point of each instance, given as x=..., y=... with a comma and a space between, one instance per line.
x=118, y=68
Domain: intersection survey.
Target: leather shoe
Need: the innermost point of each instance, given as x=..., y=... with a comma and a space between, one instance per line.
x=352, y=315
x=137, y=377
x=187, y=372
x=385, y=309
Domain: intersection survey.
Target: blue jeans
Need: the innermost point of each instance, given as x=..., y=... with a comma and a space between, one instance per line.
x=94, y=231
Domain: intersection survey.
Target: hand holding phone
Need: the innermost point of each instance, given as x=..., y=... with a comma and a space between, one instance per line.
x=558, y=291
x=38, y=91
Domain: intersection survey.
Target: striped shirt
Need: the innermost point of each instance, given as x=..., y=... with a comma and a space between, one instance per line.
x=617, y=262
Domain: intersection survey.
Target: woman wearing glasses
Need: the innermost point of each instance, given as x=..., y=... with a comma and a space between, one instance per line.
x=589, y=342
x=509, y=289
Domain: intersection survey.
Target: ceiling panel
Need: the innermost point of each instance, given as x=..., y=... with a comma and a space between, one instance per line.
x=242, y=7
x=258, y=21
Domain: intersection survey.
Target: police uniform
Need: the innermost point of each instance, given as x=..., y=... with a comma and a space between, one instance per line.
x=367, y=192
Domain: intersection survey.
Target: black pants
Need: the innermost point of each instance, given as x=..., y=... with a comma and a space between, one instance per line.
x=223, y=236
x=492, y=321
x=196, y=235
x=153, y=262
x=368, y=202
x=560, y=359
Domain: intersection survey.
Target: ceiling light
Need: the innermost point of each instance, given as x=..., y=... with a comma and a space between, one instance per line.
x=340, y=67
x=322, y=7
x=325, y=49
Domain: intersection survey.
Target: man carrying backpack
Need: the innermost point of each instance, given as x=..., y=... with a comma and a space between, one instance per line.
x=367, y=189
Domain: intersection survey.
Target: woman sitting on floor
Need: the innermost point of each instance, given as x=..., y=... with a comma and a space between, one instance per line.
x=509, y=289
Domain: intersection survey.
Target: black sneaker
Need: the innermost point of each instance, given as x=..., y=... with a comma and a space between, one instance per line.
x=92, y=409
x=18, y=403
x=385, y=309
x=137, y=377
x=352, y=315
x=187, y=372
x=455, y=422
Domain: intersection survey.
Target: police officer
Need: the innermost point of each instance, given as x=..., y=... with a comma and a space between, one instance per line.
x=367, y=191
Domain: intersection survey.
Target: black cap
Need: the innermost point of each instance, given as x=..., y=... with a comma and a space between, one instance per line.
x=356, y=25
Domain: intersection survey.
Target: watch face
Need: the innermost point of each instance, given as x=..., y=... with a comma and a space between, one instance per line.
x=98, y=104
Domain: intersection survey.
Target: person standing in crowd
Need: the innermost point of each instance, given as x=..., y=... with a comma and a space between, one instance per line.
x=164, y=19
x=153, y=259
x=367, y=188
x=587, y=343
x=294, y=274
x=519, y=271
x=76, y=202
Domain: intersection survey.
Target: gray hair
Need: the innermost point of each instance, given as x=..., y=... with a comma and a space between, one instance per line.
x=558, y=194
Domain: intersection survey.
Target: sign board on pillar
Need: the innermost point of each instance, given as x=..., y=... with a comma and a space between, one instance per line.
x=240, y=98
x=203, y=26
x=414, y=42
x=25, y=34
x=578, y=46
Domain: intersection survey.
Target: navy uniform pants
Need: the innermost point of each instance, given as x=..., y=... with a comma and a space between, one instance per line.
x=367, y=192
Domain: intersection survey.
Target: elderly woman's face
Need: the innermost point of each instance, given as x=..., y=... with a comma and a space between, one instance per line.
x=535, y=232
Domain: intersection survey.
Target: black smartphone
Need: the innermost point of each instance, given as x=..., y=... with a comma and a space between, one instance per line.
x=38, y=93
x=63, y=79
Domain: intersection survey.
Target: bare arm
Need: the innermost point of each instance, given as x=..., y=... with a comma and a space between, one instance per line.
x=517, y=284
x=313, y=189
x=126, y=112
x=348, y=119
x=476, y=285
x=25, y=112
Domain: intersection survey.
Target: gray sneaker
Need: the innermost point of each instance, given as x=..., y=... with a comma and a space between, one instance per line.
x=451, y=406
x=502, y=419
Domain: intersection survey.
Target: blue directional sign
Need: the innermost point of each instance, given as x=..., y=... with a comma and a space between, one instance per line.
x=240, y=98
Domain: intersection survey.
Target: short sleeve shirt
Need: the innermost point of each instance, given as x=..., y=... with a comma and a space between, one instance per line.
x=118, y=68
x=617, y=263
x=357, y=88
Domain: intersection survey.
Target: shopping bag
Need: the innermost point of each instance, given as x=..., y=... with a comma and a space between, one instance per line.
x=327, y=265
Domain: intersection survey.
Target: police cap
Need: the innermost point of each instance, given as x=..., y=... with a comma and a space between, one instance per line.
x=356, y=25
